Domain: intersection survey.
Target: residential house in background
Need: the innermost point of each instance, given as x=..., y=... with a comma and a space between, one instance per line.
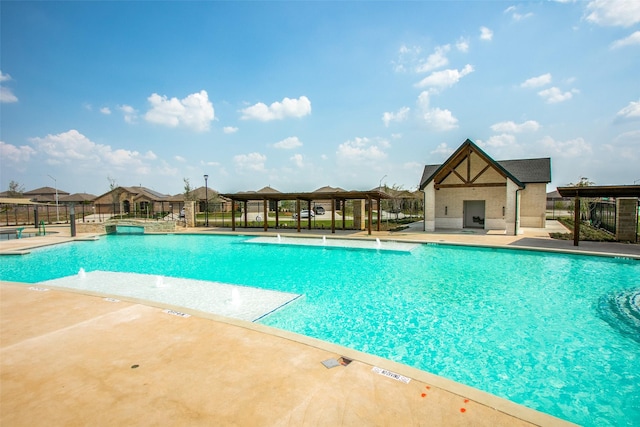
x=138, y=201
x=45, y=195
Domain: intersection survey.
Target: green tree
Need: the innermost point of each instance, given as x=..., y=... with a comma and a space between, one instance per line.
x=585, y=202
x=188, y=190
x=15, y=189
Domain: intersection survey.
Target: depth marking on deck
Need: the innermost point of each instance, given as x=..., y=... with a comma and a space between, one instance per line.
x=38, y=288
x=176, y=313
x=390, y=374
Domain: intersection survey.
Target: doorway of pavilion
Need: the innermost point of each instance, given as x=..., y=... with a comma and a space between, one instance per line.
x=473, y=214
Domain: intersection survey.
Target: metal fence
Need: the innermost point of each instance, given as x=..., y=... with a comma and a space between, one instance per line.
x=215, y=214
x=32, y=214
x=219, y=214
x=603, y=215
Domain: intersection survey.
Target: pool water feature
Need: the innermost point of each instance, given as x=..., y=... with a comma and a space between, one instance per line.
x=523, y=325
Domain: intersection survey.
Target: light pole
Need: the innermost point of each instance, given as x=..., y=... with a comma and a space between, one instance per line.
x=55, y=183
x=380, y=184
x=206, y=201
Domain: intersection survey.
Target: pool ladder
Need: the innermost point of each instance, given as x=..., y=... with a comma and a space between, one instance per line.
x=41, y=230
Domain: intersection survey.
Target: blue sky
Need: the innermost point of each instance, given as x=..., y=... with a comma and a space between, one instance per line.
x=298, y=95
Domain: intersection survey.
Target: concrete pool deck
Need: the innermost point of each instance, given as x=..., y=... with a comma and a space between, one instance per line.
x=77, y=358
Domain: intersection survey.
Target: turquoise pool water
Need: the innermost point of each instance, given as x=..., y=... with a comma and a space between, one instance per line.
x=528, y=326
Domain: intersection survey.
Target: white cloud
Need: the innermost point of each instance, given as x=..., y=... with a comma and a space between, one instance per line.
x=515, y=15
x=6, y=95
x=445, y=78
x=288, y=143
x=486, y=34
x=512, y=127
x=180, y=159
x=406, y=56
x=130, y=113
x=633, y=39
x=567, y=149
x=440, y=120
x=462, y=45
x=278, y=110
x=195, y=111
x=622, y=13
x=554, y=95
x=150, y=155
x=499, y=141
x=443, y=150
x=73, y=148
x=105, y=110
x=541, y=80
x=436, y=60
x=435, y=118
x=361, y=150
x=229, y=129
x=11, y=153
x=298, y=160
x=252, y=162
x=631, y=111
x=398, y=116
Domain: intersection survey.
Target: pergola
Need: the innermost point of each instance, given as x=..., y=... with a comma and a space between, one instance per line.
x=595, y=191
x=334, y=196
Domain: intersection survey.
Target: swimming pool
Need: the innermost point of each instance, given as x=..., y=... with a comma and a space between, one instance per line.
x=527, y=326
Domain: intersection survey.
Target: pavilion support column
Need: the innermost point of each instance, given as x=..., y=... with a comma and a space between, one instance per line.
x=626, y=219
x=309, y=216
x=233, y=215
x=369, y=214
x=576, y=221
x=378, y=201
x=344, y=215
x=265, y=211
x=333, y=216
x=298, y=214
x=277, y=212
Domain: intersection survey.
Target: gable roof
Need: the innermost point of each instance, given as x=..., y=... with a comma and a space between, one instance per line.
x=529, y=170
x=77, y=198
x=43, y=191
x=138, y=192
x=520, y=171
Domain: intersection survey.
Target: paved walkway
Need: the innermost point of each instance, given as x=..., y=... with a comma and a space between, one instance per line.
x=69, y=358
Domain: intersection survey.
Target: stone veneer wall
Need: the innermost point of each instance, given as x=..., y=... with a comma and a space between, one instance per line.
x=359, y=215
x=626, y=219
x=149, y=226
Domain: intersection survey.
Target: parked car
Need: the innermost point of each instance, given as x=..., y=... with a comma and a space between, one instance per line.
x=304, y=214
x=319, y=210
